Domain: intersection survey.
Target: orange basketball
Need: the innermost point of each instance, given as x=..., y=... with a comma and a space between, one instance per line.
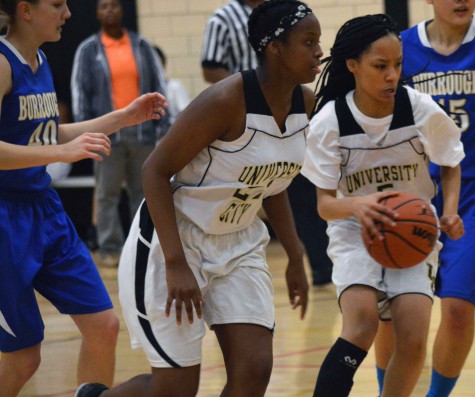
x=411, y=240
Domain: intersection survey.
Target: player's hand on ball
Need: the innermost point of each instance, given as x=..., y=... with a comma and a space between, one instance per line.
x=452, y=225
x=370, y=212
x=413, y=237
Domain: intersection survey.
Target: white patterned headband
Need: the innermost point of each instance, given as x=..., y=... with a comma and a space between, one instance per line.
x=285, y=24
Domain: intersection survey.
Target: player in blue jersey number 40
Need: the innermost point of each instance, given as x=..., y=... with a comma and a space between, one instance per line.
x=40, y=250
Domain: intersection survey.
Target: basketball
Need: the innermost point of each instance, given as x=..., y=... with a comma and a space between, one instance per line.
x=411, y=240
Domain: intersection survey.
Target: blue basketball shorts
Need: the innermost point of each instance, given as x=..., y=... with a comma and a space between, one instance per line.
x=40, y=250
x=456, y=276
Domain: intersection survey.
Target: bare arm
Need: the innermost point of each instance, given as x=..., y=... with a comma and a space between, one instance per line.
x=76, y=143
x=366, y=209
x=450, y=221
x=280, y=216
x=86, y=146
x=206, y=119
x=19, y=156
x=145, y=107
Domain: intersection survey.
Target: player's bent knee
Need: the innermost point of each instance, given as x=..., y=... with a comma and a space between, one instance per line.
x=106, y=331
x=460, y=315
x=251, y=376
x=413, y=348
x=30, y=368
x=361, y=334
x=22, y=366
x=110, y=332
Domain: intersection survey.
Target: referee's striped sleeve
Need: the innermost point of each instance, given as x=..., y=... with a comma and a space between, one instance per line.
x=240, y=51
x=215, y=43
x=225, y=42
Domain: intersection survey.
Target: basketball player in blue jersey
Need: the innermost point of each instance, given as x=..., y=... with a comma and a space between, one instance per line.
x=196, y=249
x=40, y=249
x=367, y=130
x=439, y=59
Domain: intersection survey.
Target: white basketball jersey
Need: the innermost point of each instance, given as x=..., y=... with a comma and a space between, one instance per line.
x=358, y=155
x=222, y=188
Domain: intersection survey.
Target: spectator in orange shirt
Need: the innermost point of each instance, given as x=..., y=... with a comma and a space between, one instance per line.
x=110, y=69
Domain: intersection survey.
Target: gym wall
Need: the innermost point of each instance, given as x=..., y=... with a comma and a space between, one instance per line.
x=177, y=26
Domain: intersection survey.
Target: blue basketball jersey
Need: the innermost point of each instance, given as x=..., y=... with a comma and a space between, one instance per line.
x=29, y=116
x=449, y=79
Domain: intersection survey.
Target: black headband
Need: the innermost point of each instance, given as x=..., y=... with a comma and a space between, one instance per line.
x=284, y=24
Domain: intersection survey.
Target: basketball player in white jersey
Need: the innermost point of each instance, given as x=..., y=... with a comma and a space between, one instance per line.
x=196, y=249
x=372, y=135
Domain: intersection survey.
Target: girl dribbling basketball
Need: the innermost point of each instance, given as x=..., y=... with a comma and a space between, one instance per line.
x=371, y=137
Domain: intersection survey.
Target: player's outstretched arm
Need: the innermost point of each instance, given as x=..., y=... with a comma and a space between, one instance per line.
x=19, y=156
x=88, y=145
x=149, y=106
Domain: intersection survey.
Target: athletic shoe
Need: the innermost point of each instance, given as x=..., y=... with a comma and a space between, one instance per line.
x=90, y=390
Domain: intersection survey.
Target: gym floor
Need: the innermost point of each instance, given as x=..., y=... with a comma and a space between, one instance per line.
x=299, y=348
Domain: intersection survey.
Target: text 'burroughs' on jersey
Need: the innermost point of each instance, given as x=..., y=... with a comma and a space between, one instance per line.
x=38, y=106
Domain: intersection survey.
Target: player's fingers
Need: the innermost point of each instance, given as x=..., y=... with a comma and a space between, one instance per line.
x=303, y=304
x=458, y=229
x=168, y=306
x=296, y=301
x=94, y=156
x=97, y=138
x=385, y=214
x=371, y=229
x=367, y=236
x=159, y=98
x=103, y=141
x=159, y=106
x=99, y=148
x=197, y=302
x=387, y=194
x=178, y=308
x=97, y=153
x=291, y=292
x=189, y=310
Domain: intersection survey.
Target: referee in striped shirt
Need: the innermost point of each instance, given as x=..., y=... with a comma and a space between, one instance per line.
x=226, y=49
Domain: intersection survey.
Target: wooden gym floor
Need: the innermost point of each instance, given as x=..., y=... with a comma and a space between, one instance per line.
x=299, y=348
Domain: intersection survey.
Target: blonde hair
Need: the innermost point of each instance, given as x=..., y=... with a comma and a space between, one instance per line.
x=8, y=10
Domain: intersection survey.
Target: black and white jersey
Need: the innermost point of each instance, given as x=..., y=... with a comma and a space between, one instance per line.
x=222, y=188
x=225, y=41
x=359, y=155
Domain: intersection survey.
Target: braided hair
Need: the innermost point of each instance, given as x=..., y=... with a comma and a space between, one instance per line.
x=274, y=20
x=353, y=39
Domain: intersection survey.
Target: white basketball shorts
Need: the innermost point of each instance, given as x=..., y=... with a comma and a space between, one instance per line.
x=352, y=265
x=230, y=269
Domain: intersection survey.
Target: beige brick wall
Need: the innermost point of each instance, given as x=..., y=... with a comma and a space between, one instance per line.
x=177, y=26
